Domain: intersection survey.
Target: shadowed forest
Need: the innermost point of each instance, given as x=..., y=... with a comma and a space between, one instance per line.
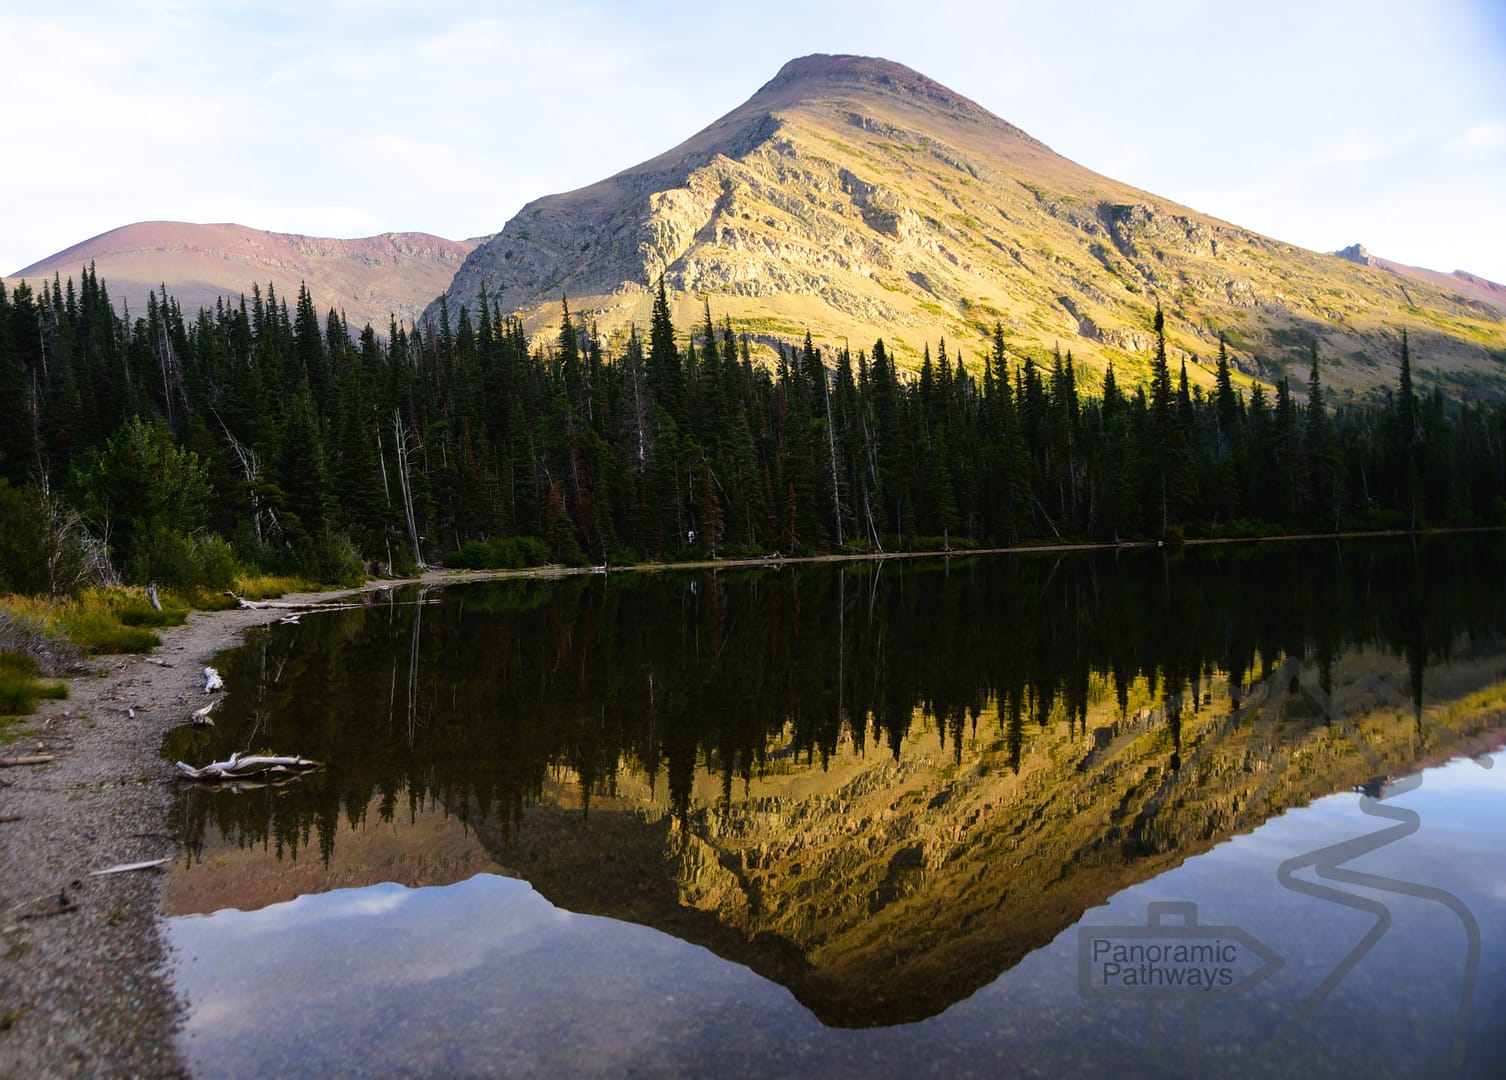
x=181, y=449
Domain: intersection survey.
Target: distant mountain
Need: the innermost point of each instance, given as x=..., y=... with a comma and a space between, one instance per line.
x=370, y=279
x=1460, y=281
x=857, y=199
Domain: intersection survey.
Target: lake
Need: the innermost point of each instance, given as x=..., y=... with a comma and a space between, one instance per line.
x=1232, y=810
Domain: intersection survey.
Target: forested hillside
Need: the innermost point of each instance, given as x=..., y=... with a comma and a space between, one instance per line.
x=179, y=447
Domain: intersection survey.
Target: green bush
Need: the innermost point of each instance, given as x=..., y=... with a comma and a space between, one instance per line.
x=166, y=557
x=501, y=553
x=218, y=566
x=34, y=557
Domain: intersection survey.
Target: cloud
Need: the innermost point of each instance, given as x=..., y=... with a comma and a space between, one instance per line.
x=1481, y=139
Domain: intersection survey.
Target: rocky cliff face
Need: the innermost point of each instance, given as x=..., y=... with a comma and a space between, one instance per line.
x=858, y=199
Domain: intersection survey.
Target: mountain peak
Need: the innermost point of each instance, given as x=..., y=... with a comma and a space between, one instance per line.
x=823, y=72
x=857, y=199
x=1355, y=253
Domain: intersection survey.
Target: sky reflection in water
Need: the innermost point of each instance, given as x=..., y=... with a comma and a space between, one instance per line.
x=488, y=977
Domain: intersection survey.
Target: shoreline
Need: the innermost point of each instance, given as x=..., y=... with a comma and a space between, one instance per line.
x=84, y=985
x=85, y=988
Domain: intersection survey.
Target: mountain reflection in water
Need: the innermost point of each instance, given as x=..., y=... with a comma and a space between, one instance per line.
x=879, y=785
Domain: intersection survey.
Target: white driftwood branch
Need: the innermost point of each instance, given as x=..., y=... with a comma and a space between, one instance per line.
x=242, y=767
x=257, y=605
x=212, y=681
x=125, y=868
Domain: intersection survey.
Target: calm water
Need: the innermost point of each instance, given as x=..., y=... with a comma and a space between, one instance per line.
x=1237, y=811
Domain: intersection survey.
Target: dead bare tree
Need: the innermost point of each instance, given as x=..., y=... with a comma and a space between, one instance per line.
x=407, y=443
x=831, y=442
x=251, y=470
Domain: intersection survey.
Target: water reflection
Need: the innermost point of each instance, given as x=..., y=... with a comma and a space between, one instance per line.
x=880, y=786
x=486, y=977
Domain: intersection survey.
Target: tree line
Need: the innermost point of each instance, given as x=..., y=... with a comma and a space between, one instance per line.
x=179, y=448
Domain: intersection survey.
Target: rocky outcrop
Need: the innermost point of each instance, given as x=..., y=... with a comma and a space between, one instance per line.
x=1355, y=253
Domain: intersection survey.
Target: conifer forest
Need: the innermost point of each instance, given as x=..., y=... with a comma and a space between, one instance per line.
x=176, y=448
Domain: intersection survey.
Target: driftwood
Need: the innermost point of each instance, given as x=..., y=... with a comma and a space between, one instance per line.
x=249, y=766
x=30, y=759
x=307, y=607
x=125, y=868
x=201, y=718
x=212, y=681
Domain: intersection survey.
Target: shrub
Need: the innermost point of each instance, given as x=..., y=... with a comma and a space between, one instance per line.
x=328, y=560
x=218, y=566
x=23, y=540
x=26, y=634
x=166, y=557
x=500, y=553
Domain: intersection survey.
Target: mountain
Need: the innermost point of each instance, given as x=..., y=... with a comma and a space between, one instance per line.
x=1460, y=281
x=370, y=279
x=857, y=199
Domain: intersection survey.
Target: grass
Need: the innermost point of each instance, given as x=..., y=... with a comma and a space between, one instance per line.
x=122, y=619
x=21, y=686
x=38, y=631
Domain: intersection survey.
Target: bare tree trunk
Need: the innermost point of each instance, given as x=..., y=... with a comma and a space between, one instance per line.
x=251, y=469
x=831, y=443
x=406, y=443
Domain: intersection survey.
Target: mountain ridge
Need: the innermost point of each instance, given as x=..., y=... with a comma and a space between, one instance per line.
x=856, y=199
x=371, y=279
x=1466, y=283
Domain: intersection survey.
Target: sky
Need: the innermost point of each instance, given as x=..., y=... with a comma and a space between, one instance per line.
x=1318, y=122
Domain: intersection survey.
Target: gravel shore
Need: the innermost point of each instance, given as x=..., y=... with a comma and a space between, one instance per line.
x=83, y=990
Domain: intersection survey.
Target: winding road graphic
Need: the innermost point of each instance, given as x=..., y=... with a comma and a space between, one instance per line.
x=1327, y=863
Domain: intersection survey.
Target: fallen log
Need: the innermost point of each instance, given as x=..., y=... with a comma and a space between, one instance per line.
x=244, y=767
x=29, y=759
